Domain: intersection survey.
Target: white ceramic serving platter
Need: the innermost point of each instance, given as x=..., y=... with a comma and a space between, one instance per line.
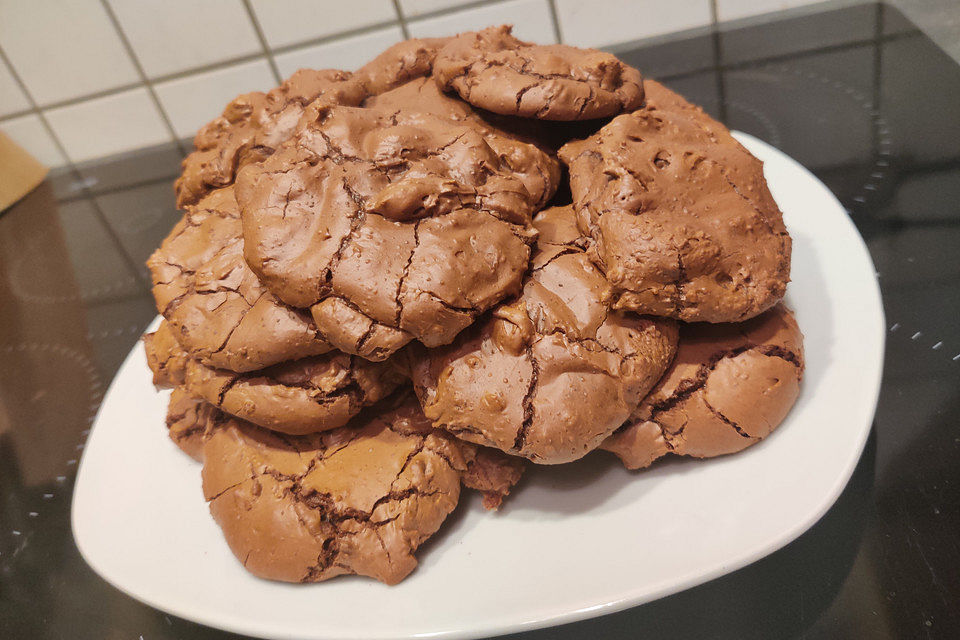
x=575, y=541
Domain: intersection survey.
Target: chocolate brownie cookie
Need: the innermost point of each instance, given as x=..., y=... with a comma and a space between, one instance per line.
x=165, y=357
x=253, y=125
x=298, y=397
x=493, y=70
x=531, y=161
x=729, y=386
x=552, y=373
x=357, y=500
x=392, y=224
x=491, y=472
x=214, y=304
x=681, y=217
x=399, y=64
x=190, y=421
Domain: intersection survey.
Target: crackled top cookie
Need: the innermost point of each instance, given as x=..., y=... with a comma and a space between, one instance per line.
x=357, y=500
x=302, y=396
x=165, y=357
x=399, y=64
x=493, y=70
x=393, y=224
x=729, y=386
x=680, y=214
x=552, y=373
x=215, y=306
x=253, y=125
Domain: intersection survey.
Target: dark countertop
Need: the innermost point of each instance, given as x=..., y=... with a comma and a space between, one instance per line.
x=856, y=94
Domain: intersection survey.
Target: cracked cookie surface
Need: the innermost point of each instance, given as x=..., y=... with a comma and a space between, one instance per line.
x=165, y=357
x=297, y=397
x=215, y=305
x=253, y=125
x=680, y=215
x=357, y=500
x=729, y=386
x=191, y=421
x=493, y=70
x=393, y=223
x=399, y=64
x=552, y=373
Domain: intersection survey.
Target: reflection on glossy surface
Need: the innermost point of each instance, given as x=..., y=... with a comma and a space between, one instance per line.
x=857, y=94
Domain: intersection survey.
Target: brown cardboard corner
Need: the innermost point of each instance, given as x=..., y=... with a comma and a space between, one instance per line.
x=19, y=172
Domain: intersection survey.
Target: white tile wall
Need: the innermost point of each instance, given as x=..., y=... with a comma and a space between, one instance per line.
x=199, y=54
x=112, y=124
x=63, y=48
x=194, y=100
x=292, y=21
x=605, y=22
x=531, y=20
x=173, y=35
x=414, y=8
x=12, y=98
x=346, y=53
x=29, y=133
x=734, y=9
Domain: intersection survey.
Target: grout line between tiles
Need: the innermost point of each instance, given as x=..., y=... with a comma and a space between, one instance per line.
x=92, y=96
x=17, y=114
x=552, y=5
x=402, y=18
x=143, y=76
x=213, y=66
x=263, y=41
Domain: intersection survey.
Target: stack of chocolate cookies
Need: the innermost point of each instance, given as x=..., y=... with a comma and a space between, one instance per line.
x=472, y=254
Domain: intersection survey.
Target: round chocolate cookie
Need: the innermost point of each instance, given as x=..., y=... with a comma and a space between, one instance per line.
x=298, y=397
x=357, y=500
x=253, y=125
x=493, y=70
x=729, y=386
x=392, y=224
x=214, y=304
x=399, y=64
x=552, y=373
x=682, y=220
x=165, y=357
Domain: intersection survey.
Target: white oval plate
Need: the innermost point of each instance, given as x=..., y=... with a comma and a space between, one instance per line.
x=575, y=541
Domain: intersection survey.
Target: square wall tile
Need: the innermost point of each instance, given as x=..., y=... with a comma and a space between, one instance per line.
x=414, y=8
x=292, y=21
x=29, y=133
x=104, y=126
x=734, y=9
x=192, y=101
x=12, y=98
x=531, y=20
x=175, y=35
x=607, y=22
x=347, y=53
x=64, y=49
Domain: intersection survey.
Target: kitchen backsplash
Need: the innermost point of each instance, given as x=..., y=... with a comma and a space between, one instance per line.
x=84, y=79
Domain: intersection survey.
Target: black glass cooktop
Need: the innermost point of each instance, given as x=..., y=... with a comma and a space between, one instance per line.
x=857, y=94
